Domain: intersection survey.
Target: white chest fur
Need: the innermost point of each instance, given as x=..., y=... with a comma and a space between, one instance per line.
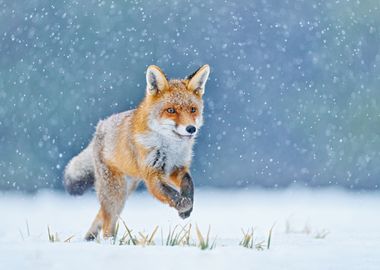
x=166, y=153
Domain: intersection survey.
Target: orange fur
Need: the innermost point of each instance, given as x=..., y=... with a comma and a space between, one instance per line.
x=177, y=176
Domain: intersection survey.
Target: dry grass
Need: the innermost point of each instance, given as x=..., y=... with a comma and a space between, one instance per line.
x=183, y=236
x=317, y=234
x=269, y=241
x=204, y=242
x=178, y=236
x=53, y=237
x=141, y=239
x=321, y=234
x=248, y=240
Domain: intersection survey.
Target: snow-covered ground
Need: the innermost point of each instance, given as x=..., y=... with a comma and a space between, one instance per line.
x=301, y=218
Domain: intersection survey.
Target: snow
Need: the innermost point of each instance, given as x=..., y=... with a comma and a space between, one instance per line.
x=352, y=220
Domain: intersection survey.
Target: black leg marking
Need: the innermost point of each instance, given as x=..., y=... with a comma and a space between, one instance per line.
x=187, y=191
x=187, y=186
x=182, y=204
x=170, y=192
x=159, y=161
x=158, y=154
x=163, y=163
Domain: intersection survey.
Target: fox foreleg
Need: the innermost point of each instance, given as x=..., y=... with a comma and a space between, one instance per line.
x=181, y=179
x=187, y=191
x=165, y=193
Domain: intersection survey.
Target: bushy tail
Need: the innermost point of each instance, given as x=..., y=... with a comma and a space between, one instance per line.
x=79, y=173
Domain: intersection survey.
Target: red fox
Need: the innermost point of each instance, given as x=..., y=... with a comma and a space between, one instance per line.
x=152, y=143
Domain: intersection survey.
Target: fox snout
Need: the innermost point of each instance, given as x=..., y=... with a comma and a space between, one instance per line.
x=191, y=129
x=186, y=130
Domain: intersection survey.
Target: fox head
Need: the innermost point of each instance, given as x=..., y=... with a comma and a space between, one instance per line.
x=175, y=106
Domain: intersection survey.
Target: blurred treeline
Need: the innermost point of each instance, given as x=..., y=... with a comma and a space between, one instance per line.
x=293, y=96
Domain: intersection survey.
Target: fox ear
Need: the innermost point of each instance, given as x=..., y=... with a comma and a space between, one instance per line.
x=155, y=80
x=198, y=79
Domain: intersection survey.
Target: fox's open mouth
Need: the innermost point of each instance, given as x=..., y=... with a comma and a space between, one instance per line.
x=182, y=136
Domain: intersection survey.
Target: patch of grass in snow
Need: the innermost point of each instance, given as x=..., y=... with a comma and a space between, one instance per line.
x=182, y=236
x=204, y=242
x=248, y=240
x=53, y=237
x=270, y=236
x=318, y=234
x=289, y=228
x=178, y=236
x=140, y=239
x=321, y=234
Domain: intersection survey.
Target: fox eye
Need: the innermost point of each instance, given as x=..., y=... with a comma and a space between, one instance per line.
x=193, y=109
x=170, y=110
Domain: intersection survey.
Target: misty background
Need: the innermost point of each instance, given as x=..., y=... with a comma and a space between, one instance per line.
x=293, y=96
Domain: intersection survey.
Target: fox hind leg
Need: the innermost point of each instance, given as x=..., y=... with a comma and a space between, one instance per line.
x=95, y=228
x=111, y=190
x=112, y=196
x=112, y=199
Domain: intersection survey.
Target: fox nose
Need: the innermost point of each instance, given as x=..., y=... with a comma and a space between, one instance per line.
x=191, y=129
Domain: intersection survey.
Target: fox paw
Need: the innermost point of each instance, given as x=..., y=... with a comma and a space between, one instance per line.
x=90, y=236
x=184, y=207
x=186, y=214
